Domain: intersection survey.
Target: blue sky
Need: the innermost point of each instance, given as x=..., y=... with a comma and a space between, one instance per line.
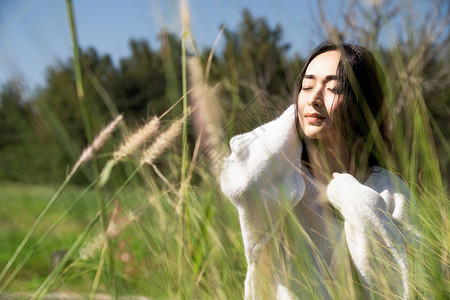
x=34, y=34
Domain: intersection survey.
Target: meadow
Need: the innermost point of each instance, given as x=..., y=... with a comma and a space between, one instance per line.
x=152, y=253
x=152, y=220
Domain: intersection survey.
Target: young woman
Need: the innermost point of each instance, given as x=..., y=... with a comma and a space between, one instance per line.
x=311, y=186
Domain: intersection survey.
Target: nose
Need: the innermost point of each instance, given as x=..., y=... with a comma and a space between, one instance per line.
x=316, y=97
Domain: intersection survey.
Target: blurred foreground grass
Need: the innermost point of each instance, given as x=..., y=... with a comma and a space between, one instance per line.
x=171, y=233
x=163, y=254
x=21, y=205
x=147, y=254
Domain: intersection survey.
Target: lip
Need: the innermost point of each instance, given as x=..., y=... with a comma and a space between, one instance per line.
x=314, y=117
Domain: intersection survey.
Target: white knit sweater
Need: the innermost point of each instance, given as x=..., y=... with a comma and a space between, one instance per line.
x=265, y=180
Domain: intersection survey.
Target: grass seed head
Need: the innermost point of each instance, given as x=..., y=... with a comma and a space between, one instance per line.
x=162, y=142
x=97, y=144
x=206, y=116
x=185, y=15
x=135, y=140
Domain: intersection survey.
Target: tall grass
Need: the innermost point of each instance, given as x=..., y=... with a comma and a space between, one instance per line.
x=86, y=116
x=170, y=233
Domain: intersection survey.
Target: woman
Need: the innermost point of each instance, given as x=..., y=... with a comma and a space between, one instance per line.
x=310, y=186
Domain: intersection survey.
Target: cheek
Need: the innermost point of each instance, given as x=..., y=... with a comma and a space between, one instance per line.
x=300, y=105
x=300, y=111
x=301, y=100
x=334, y=108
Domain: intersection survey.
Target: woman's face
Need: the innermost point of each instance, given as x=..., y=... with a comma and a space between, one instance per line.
x=319, y=98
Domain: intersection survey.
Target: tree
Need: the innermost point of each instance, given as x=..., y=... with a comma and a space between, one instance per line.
x=255, y=73
x=25, y=145
x=140, y=87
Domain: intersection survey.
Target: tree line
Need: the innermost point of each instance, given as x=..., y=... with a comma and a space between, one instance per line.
x=42, y=136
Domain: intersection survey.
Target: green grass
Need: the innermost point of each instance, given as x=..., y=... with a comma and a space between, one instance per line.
x=184, y=241
x=151, y=255
x=21, y=205
x=157, y=256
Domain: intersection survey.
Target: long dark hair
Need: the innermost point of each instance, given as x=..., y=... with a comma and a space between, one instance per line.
x=363, y=115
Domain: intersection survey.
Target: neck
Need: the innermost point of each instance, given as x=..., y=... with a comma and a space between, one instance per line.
x=326, y=157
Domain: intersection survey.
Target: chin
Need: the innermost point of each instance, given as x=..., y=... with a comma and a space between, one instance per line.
x=319, y=132
x=313, y=135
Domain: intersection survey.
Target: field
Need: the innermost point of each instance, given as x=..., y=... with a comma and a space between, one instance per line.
x=139, y=211
x=158, y=247
x=150, y=255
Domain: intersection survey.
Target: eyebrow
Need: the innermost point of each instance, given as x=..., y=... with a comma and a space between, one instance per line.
x=327, y=78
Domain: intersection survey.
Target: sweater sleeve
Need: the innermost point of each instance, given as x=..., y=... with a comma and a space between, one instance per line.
x=374, y=220
x=261, y=176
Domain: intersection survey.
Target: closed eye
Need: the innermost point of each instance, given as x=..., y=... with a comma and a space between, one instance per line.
x=335, y=90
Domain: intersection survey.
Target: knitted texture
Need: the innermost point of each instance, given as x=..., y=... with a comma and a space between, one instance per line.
x=264, y=178
x=374, y=241
x=261, y=175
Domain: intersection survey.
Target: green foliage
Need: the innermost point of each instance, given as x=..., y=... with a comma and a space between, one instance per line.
x=25, y=144
x=254, y=72
x=182, y=239
x=140, y=86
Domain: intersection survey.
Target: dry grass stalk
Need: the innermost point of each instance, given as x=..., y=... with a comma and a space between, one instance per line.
x=135, y=140
x=97, y=144
x=162, y=142
x=206, y=116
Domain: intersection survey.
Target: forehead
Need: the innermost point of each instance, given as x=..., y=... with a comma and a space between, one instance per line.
x=324, y=64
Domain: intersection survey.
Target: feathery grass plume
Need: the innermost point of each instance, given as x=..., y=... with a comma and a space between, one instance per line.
x=185, y=15
x=92, y=247
x=130, y=145
x=115, y=228
x=135, y=140
x=206, y=116
x=97, y=144
x=162, y=142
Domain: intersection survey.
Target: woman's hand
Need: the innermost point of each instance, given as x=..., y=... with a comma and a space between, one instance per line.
x=351, y=197
x=374, y=242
